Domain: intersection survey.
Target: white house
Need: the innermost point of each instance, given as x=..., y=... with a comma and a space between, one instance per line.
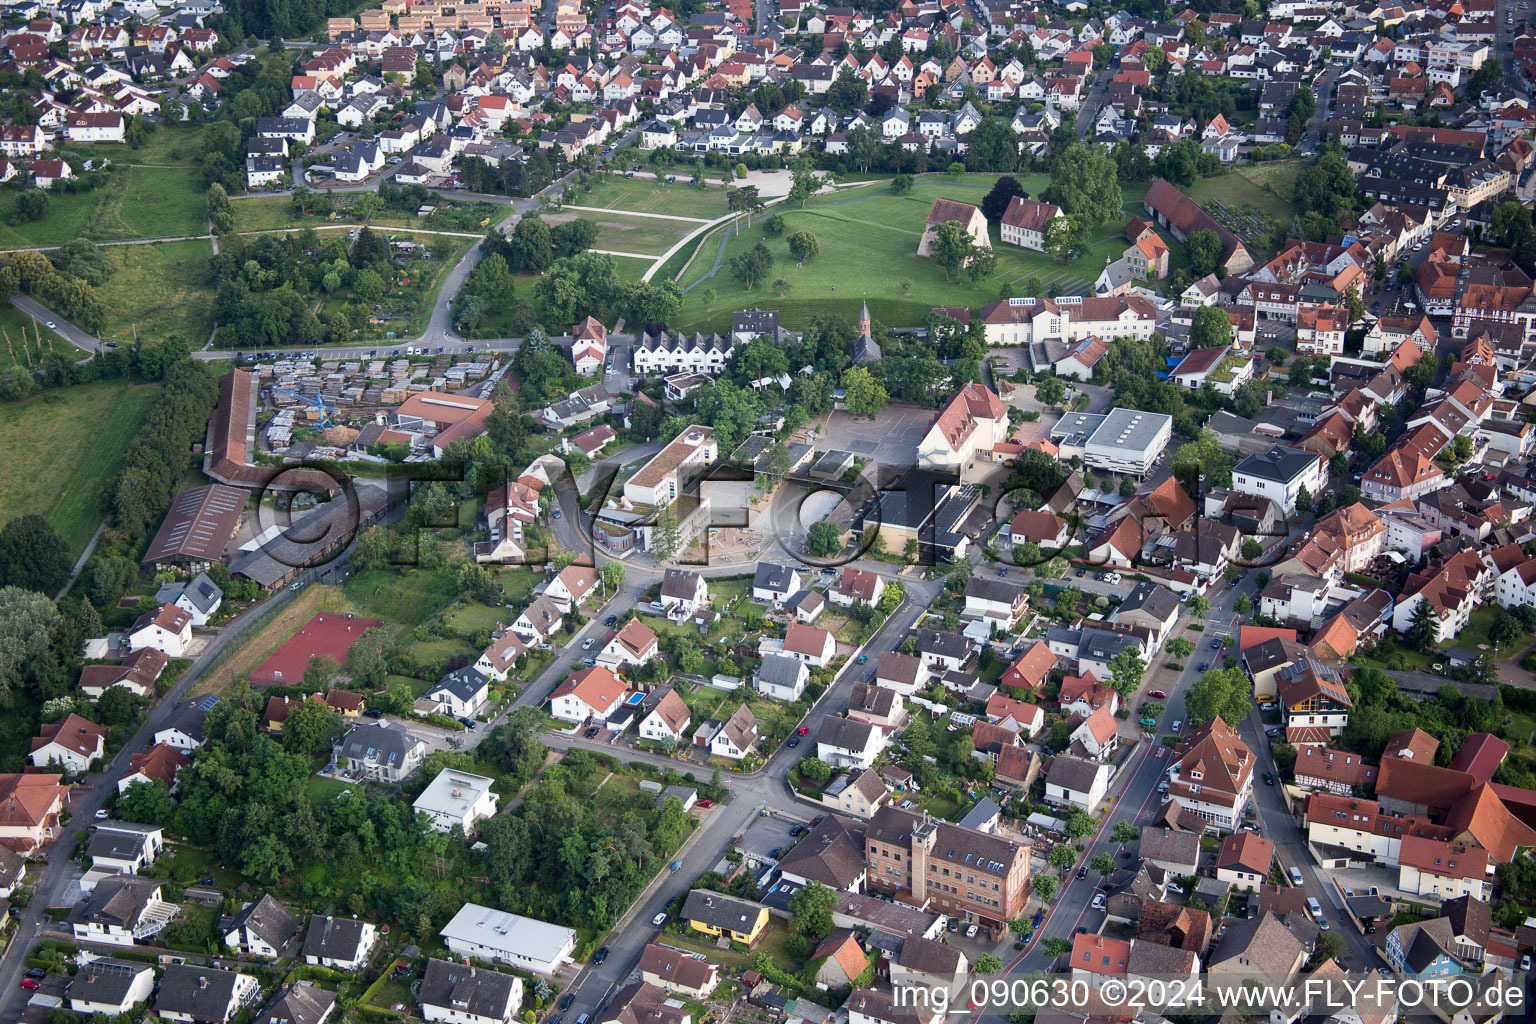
x=593, y=693
x=71, y=742
x=109, y=986
x=683, y=594
x=667, y=722
x=1280, y=475
x=849, y=742
x=264, y=928
x=461, y=693
x=167, y=628
x=811, y=644
x=856, y=586
x=773, y=583
x=736, y=737
x=1076, y=782
x=340, y=943
x=122, y=910
x=197, y=994
x=781, y=676
x=199, y=597
x=456, y=798
x=1026, y=222
x=1098, y=733
x=635, y=644
x=538, y=622
x=465, y=994
x=569, y=589
x=489, y=934
x=500, y=658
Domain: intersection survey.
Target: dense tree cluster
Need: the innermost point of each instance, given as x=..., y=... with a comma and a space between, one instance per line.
x=71, y=297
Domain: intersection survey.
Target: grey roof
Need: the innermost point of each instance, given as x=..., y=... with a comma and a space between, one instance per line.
x=188, y=719
x=201, y=592
x=943, y=644
x=1103, y=645
x=898, y=667
x=467, y=989
x=1264, y=939
x=119, y=900
x=779, y=670
x=464, y=683
x=380, y=741
x=1073, y=773
x=680, y=583
x=771, y=576
x=115, y=845
x=993, y=590
x=269, y=921
x=298, y=1004
x=106, y=980
x=832, y=853
x=1154, y=599
x=927, y=956
x=983, y=811
x=336, y=938
x=202, y=993
x=1280, y=464
x=1169, y=845
x=844, y=733
x=720, y=910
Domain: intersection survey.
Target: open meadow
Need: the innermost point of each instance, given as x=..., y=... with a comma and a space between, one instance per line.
x=159, y=290
x=61, y=447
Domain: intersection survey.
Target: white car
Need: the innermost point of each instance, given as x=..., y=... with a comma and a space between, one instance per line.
x=586, y=644
x=660, y=919
x=970, y=932
x=102, y=814
x=1099, y=901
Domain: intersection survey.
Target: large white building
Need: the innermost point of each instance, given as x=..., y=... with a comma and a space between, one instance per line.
x=456, y=798
x=490, y=934
x=681, y=353
x=1120, y=441
x=661, y=480
x=1281, y=474
x=973, y=421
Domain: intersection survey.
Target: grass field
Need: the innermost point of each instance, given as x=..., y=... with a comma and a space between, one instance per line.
x=869, y=227
x=159, y=290
x=619, y=233
x=275, y=213
x=1259, y=189
x=141, y=201
x=61, y=447
x=647, y=195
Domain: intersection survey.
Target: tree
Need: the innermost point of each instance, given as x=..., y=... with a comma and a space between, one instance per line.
x=987, y=964
x=1124, y=832
x=1056, y=946
x=310, y=728
x=1219, y=693
x=666, y=537
x=1085, y=184
x=864, y=394
x=1103, y=863
x=810, y=910
x=1078, y=824
x=1210, y=327
x=652, y=301
x=147, y=802
x=805, y=182
x=802, y=246
x=1060, y=235
x=1062, y=856
x=368, y=286
x=994, y=146
x=995, y=203
x=368, y=658
x=752, y=265
x=33, y=555
x=221, y=214
x=1199, y=604
x=613, y=574
x=27, y=622
x=1243, y=605
x=1423, y=628
x=367, y=206
x=823, y=539
x=814, y=769
x=573, y=236
x=494, y=45
x=531, y=246
x=1179, y=647
x=1203, y=248
x=1050, y=391
x=1045, y=888
x=1353, y=304
x=31, y=204
x=1125, y=672
x=952, y=246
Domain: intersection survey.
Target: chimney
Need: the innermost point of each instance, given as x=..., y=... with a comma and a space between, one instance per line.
x=202, y=982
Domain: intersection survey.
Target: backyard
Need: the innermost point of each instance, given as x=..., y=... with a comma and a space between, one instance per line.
x=61, y=447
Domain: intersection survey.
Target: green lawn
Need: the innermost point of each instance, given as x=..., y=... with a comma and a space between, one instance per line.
x=159, y=290
x=1262, y=190
x=138, y=202
x=401, y=594
x=61, y=447
x=646, y=195
x=620, y=233
x=869, y=227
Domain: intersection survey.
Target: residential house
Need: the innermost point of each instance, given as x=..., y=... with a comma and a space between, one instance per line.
x=70, y=743
x=594, y=694
x=668, y=720
x=264, y=929
x=339, y=943
x=381, y=751
x=198, y=994
x=456, y=799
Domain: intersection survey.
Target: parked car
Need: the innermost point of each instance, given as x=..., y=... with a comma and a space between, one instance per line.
x=803, y=731
x=862, y=659
x=30, y=982
x=660, y=919
x=611, y=620
x=794, y=741
x=970, y=932
x=373, y=713
x=706, y=804
x=586, y=644
x=1099, y=901
x=600, y=956
x=1269, y=780
x=1159, y=694
x=591, y=732
x=566, y=1001
x=1178, y=725
x=102, y=815
x=1295, y=876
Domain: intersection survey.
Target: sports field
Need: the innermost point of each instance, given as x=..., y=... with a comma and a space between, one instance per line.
x=326, y=635
x=61, y=447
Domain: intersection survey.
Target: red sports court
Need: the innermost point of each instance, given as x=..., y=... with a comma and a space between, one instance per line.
x=325, y=634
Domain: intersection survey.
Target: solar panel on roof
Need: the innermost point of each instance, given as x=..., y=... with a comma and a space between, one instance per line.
x=207, y=702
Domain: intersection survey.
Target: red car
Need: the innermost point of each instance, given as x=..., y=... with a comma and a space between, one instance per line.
x=706, y=803
x=1159, y=694
x=803, y=731
x=29, y=983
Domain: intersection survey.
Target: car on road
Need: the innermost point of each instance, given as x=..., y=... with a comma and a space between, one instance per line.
x=1216, y=644
x=565, y=1003
x=49, y=324
x=1082, y=872
x=660, y=919
x=586, y=644
x=612, y=620
x=1159, y=694
x=863, y=658
x=803, y=731
x=600, y=956
x=557, y=513
x=1269, y=780
x=1204, y=665
x=102, y=815
x=794, y=741
x=1276, y=731
x=1295, y=875
x=1178, y=725
x=1099, y=901
x=676, y=864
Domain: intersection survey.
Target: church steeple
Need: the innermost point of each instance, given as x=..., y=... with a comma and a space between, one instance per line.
x=864, y=321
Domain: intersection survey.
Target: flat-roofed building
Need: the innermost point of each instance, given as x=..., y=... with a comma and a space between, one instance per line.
x=491, y=934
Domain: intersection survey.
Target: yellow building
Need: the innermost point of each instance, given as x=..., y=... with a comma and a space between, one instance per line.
x=716, y=914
